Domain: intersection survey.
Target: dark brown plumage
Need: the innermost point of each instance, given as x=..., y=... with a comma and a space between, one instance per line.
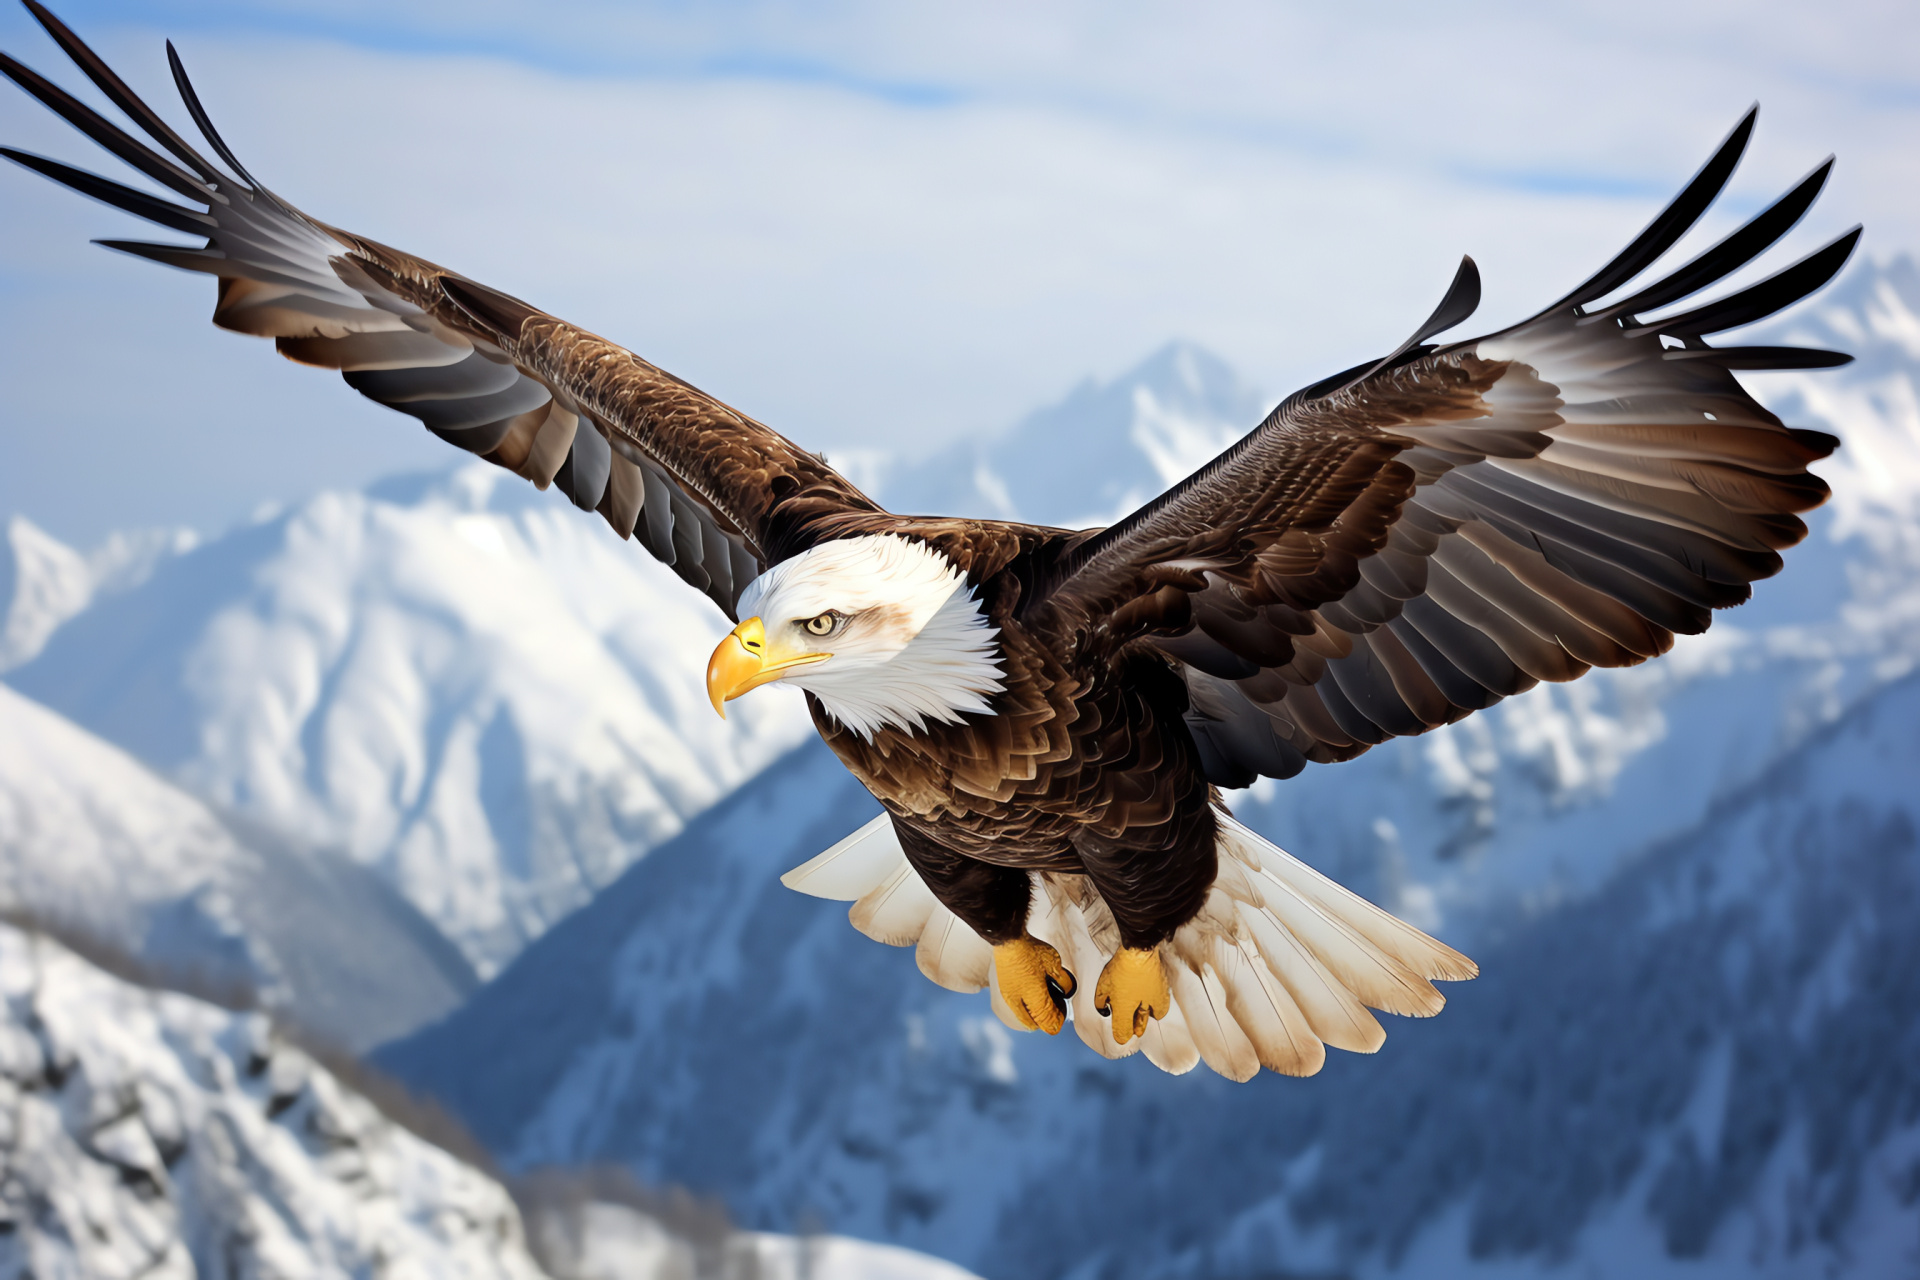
x=1389, y=551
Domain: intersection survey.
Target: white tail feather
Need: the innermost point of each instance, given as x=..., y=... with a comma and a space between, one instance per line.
x=952, y=955
x=1278, y=964
x=1169, y=1045
x=1266, y=1012
x=1222, y=1044
x=851, y=868
x=1359, y=966
x=1231, y=879
x=1336, y=1015
x=1426, y=956
x=896, y=910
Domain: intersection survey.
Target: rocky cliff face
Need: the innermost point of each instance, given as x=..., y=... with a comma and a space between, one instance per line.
x=151, y=1134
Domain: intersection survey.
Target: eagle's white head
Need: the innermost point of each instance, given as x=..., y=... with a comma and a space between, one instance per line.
x=882, y=629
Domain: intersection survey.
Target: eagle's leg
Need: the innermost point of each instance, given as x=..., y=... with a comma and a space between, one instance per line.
x=1153, y=878
x=993, y=901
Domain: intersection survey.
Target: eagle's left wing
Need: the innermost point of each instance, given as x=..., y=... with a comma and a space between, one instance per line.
x=705, y=488
x=1414, y=540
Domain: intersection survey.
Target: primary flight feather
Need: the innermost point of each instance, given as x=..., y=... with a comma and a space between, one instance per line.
x=1047, y=714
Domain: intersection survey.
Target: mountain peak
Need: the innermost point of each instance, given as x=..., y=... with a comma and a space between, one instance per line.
x=1098, y=452
x=44, y=582
x=1186, y=372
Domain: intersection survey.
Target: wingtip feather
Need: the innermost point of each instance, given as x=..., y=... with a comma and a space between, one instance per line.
x=204, y=122
x=119, y=94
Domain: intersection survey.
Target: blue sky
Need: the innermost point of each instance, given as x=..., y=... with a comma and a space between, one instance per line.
x=878, y=226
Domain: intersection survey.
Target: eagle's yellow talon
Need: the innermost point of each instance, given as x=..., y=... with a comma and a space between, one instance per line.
x=1132, y=989
x=1023, y=967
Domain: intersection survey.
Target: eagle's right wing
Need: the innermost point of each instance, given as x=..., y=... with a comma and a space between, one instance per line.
x=706, y=489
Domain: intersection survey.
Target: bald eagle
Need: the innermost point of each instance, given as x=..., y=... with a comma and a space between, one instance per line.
x=1047, y=715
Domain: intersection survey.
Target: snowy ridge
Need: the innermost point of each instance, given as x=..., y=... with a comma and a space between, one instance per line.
x=1725, y=1088
x=486, y=698
x=150, y=1134
x=95, y=845
x=608, y=1239
x=44, y=582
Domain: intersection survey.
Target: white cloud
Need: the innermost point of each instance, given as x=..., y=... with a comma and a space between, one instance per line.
x=879, y=225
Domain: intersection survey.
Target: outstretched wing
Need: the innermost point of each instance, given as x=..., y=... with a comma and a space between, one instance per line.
x=1415, y=539
x=706, y=489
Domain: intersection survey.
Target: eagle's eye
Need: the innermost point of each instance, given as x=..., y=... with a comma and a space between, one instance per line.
x=823, y=625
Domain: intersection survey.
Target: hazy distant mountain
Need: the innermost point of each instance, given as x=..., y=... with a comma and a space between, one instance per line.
x=1102, y=451
x=1689, y=883
x=44, y=582
x=95, y=845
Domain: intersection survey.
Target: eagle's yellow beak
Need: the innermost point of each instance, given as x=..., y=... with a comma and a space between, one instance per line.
x=742, y=662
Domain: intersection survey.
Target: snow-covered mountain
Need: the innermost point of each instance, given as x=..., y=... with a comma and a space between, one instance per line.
x=1692, y=887
x=94, y=845
x=601, y=1225
x=1706, y=1065
x=152, y=1134
x=477, y=692
x=146, y=1133
x=473, y=689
